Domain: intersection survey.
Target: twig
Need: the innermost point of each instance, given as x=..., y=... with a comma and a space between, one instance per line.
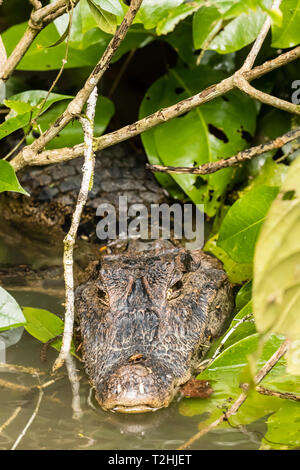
x=75, y=386
x=69, y=241
x=47, y=157
x=75, y=107
x=36, y=4
x=248, y=154
x=121, y=72
x=39, y=19
x=272, y=393
x=10, y=419
x=249, y=62
x=30, y=421
x=243, y=85
x=242, y=397
x=4, y=367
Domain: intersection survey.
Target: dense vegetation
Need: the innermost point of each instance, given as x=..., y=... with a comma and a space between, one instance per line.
x=253, y=207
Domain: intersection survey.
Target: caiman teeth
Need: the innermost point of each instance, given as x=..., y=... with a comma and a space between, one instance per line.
x=119, y=388
x=141, y=387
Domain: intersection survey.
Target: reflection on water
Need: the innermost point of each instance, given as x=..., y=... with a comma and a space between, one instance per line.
x=54, y=426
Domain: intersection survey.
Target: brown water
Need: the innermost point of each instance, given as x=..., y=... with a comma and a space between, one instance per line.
x=55, y=426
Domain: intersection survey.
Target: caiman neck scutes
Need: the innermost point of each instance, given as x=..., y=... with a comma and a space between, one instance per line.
x=146, y=319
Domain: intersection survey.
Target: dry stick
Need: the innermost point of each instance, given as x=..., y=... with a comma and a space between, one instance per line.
x=39, y=19
x=10, y=419
x=243, y=85
x=75, y=386
x=241, y=157
x=69, y=241
x=272, y=393
x=68, y=153
x=75, y=107
x=36, y=4
x=240, y=400
x=249, y=62
x=30, y=421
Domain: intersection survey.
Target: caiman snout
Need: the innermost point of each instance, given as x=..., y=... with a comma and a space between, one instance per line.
x=135, y=389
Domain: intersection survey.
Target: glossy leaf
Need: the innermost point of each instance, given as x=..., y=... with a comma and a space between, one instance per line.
x=288, y=34
x=104, y=19
x=73, y=134
x=8, y=179
x=206, y=22
x=11, y=314
x=153, y=11
x=204, y=134
x=276, y=285
x=242, y=223
x=44, y=325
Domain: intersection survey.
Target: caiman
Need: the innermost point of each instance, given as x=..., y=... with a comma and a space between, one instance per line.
x=147, y=314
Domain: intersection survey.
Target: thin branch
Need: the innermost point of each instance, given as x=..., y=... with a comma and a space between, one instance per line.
x=242, y=397
x=10, y=419
x=69, y=241
x=248, y=154
x=27, y=157
x=249, y=62
x=243, y=85
x=75, y=107
x=39, y=19
x=272, y=393
x=75, y=386
x=36, y=4
x=30, y=421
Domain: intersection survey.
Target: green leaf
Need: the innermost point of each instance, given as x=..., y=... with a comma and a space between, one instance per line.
x=168, y=23
x=236, y=272
x=288, y=35
x=112, y=6
x=40, y=57
x=13, y=124
x=73, y=134
x=243, y=296
x=204, y=134
x=283, y=428
x=11, y=315
x=206, y=22
x=31, y=100
x=239, y=32
x=276, y=288
x=44, y=325
x=242, y=223
x=8, y=179
x=152, y=12
x=104, y=19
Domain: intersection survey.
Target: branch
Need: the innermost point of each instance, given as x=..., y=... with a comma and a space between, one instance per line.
x=75, y=107
x=272, y=393
x=39, y=19
x=248, y=154
x=242, y=397
x=69, y=241
x=30, y=421
x=47, y=157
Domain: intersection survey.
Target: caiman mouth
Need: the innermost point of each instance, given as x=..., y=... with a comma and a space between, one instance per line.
x=134, y=409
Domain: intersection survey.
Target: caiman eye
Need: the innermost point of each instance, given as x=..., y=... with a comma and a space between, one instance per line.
x=174, y=291
x=103, y=296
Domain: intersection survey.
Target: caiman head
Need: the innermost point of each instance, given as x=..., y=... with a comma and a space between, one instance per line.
x=146, y=319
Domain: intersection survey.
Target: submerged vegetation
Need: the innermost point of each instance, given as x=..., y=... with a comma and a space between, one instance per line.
x=211, y=92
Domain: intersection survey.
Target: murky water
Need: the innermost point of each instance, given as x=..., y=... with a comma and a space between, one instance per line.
x=55, y=425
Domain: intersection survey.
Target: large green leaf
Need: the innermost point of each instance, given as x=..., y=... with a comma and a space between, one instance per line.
x=73, y=134
x=206, y=22
x=208, y=133
x=239, y=32
x=8, y=179
x=40, y=57
x=288, y=34
x=153, y=11
x=242, y=223
x=26, y=106
x=276, y=288
x=44, y=325
x=11, y=315
x=104, y=19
